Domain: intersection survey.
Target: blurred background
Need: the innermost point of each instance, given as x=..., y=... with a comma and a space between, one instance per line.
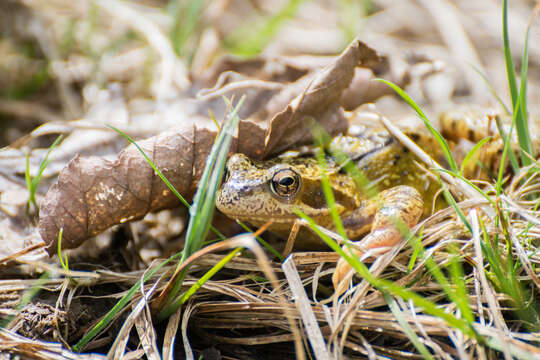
x=72, y=66
x=110, y=60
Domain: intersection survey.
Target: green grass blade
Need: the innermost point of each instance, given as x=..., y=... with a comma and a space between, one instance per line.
x=507, y=139
x=440, y=139
x=185, y=18
x=491, y=89
x=450, y=200
x=406, y=328
x=416, y=245
x=351, y=13
x=502, y=275
x=31, y=191
x=471, y=184
x=209, y=183
x=510, y=72
x=207, y=276
x=472, y=152
x=459, y=289
x=506, y=150
x=520, y=112
x=32, y=182
x=204, y=202
x=522, y=126
x=329, y=194
x=262, y=241
x=455, y=290
x=62, y=257
x=249, y=41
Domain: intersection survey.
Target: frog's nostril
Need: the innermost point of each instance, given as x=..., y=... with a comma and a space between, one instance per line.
x=238, y=161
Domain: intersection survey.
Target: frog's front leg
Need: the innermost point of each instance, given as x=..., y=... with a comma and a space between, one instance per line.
x=400, y=204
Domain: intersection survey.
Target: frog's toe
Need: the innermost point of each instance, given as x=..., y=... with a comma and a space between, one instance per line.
x=340, y=278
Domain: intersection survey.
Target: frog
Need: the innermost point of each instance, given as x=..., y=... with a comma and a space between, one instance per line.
x=257, y=191
x=464, y=126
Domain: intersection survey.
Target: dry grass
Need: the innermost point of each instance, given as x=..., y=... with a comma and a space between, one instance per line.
x=114, y=62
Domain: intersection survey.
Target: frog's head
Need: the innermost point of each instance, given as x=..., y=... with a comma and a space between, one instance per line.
x=258, y=191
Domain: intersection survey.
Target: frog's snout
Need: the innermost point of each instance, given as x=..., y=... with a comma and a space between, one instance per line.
x=238, y=162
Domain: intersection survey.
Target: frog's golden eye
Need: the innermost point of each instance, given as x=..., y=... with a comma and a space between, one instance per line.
x=285, y=183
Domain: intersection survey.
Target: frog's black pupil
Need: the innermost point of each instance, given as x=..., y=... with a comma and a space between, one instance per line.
x=286, y=181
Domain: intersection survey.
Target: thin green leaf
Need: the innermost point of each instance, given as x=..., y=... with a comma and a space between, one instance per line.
x=417, y=248
x=185, y=18
x=207, y=276
x=262, y=241
x=472, y=152
x=460, y=295
x=250, y=40
x=491, y=89
x=406, y=328
x=440, y=139
x=506, y=149
x=450, y=199
x=471, y=184
x=29, y=186
x=351, y=12
x=329, y=194
x=63, y=260
x=510, y=72
x=522, y=126
x=204, y=203
x=507, y=139
x=32, y=182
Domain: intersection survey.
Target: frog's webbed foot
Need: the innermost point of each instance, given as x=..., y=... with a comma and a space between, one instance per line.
x=400, y=204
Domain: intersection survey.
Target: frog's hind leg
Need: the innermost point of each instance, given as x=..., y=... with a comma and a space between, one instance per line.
x=398, y=205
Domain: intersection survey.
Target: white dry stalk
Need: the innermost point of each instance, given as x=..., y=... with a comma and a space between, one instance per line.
x=448, y=21
x=170, y=335
x=185, y=320
x=209, y=94
x=147, y=334
x=314, y=334
x=118, y=347
x=411, y=309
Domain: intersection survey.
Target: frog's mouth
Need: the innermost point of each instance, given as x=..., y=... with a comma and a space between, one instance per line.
x=368, y=153
x=277, y=219
x=373, y=151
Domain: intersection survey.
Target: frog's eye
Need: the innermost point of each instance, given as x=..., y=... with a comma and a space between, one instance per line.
x=285, y=183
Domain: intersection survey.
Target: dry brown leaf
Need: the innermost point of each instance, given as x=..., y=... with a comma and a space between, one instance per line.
x=93, y=194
